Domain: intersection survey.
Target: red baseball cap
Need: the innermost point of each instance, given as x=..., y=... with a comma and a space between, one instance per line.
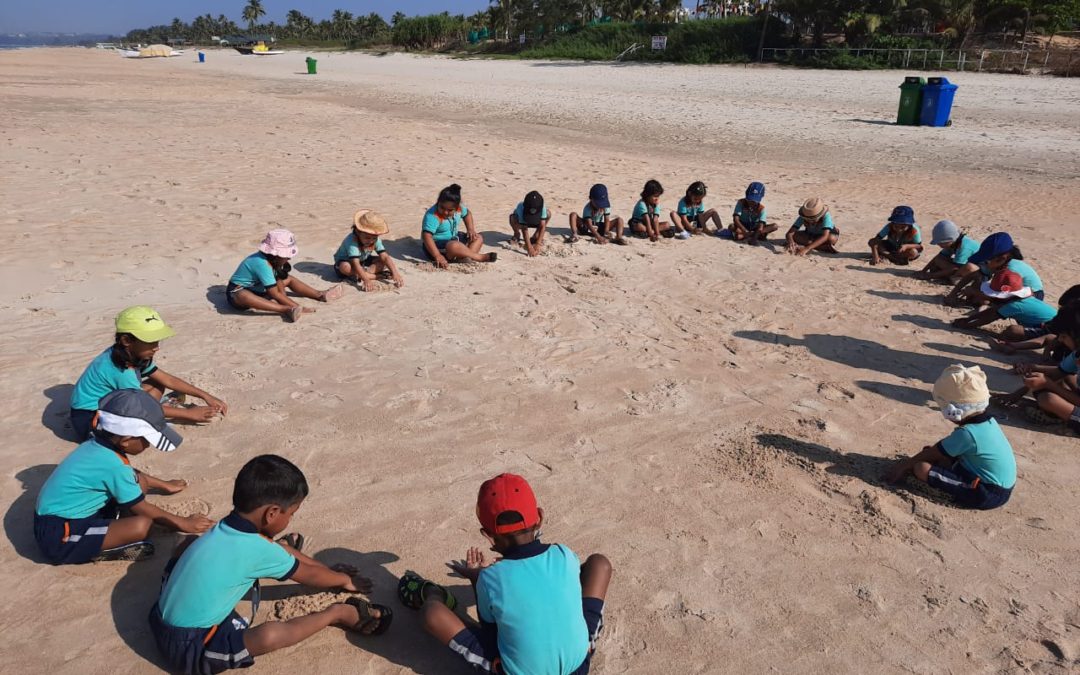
x=506, y=492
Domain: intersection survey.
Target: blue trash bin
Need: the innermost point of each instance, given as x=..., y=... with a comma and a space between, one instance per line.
x=937, y=100
x=202, y=57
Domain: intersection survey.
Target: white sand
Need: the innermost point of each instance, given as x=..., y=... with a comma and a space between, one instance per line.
x=711, y=417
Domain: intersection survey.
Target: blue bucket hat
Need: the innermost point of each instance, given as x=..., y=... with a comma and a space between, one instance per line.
x=598, y=194
x=902, y=215
x=755, y=192
x=992, y=247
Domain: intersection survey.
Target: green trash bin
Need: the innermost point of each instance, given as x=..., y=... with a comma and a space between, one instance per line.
x=312, y=62
x=910, y=101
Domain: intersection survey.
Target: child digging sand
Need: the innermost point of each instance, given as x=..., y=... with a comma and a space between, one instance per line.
x=194, y=621
x=361, y=258
x=645, y=220
x=93, y=507
x=900, y=241
x=691, y=215
x=974, y=464
x=262, y=278
x=596, y=220
x=996, y=252
x=440, y=236
x=1041, y=337
x=129, y=364
x=530, y=213
x=820, y=233
x=955, y=257
x=748, y=219
x=540, y=610
x=1009, y=298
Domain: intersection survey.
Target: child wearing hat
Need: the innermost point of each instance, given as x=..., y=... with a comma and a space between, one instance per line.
x=530, y=213
x=819, y=232
x=1053, y=386
x=645, y=219
x=262, y=278
x=194, y=621
x=440, y=236
x=974, y=464
x=1042, y=337
x=1011, y=299
x=691, y=215
x=596, y=220
x=996, y=252
x=129, y=364
x=540, y=610
x=900, y=241
x=748, y=220
x=361, y=257
x=955, y=257
x=92, y=507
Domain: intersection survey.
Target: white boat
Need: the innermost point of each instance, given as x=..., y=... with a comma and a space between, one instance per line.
x=269, y=52
x=149, y=52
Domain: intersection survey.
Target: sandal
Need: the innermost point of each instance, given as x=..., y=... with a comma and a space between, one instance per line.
x=1041, y=417
x=363, y=608
x=414, y=589
x=134, y=552
x=294, y=540
x=295, y=313
x=333, y=293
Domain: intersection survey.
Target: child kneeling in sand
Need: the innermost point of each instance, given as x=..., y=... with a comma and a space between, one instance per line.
x=194, y=621
x=530, y=213
x=974, y=464
x=361, y=258
x=129, y=364
x=92, y=507
x=996, y=252
x=596, y=220
x=540, y=610
x=955, y=257
x=900, y=241
x=1010, y=299
x=748, y=220
x=820, y=234
x=261, y=279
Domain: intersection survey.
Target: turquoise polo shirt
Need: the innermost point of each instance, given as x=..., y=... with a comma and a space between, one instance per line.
x=86, y=480
x=440, y=230
x=1068, y=364
x=1026, y=272
x=1029, y=312
x=965, y=248
x=641, y=208
x=350, y=248
x=215, y=572
x=746, y=216
x=597, y=216
x=519, y=212
x=982, y=448
x=533, y=596
x=255, y=272
x=912, y=235
x=689, y=210
x=103, y=376
x=815, y=229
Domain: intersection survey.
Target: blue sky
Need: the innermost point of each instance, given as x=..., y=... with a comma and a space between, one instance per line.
x=120, y=16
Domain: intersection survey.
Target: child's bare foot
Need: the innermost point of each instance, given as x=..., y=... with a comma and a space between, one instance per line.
x=333, y=293
x=295, y=313
x=171, y=487
x=1003, y=347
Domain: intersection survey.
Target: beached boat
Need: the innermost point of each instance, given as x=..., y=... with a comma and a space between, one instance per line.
x=149, y=52
x=258, y=49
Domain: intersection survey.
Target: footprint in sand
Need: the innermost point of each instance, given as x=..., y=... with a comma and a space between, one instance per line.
x=190, y=507
x=302, y=605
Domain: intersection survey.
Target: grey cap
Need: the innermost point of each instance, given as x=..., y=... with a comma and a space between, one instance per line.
x=133, y=412
x=945, y=230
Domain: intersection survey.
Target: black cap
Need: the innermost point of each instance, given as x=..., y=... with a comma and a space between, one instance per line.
x=533, y=208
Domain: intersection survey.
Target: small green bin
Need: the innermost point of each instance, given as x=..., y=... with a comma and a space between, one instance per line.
x=311, y=63
x=910, y=101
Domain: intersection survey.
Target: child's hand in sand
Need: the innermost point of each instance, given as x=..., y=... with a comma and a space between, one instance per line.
x=441, y=262
x=201, y=413
x=600, y=239
x=356, y=583
x=399, y=281
x=1024, y=368
x=368, y=284
x=219, y=406
x=196, y=524
x=1035, y=381
x=171, y=487
x=1003, y=347
x=470, y=567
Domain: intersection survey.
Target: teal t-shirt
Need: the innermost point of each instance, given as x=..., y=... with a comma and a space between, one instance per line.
x=1029, y=312
x=689, y=210
x=215, y=572
x=1068, y=364
x=983, y=449
x=255, y=272
x=641, y=208
x=519, y=212
x=965, y=248
x=86, y=480
x=443, y=231
x=533, y=596
x=815, y=229
x=350, y=248
x=1026, y=272
x=912, y=235
x=102, y=377
x=746, y=216
x=596, y=216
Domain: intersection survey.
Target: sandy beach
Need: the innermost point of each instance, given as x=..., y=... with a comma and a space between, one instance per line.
x=712, y=417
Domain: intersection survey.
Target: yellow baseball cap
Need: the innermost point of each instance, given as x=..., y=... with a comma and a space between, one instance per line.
x=144, y=323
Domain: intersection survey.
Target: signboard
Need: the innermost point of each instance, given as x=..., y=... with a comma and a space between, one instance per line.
x=659, y=42
x=521, y=38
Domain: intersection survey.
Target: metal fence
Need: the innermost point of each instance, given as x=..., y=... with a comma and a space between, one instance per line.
x=1065, y=62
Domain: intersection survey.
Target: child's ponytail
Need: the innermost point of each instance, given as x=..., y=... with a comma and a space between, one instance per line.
x=696, y=189
x=1015, y=253
x=450, y=193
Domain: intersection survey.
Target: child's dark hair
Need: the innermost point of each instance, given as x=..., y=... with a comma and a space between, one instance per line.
x=1015, y=254
x=450, y=193
x=696, y=189
x=1067, y=322
x=653, y=188
x=268, y=480
x=1070, y=297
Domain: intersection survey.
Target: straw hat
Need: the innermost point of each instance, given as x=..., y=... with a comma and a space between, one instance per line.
x=369, y=222
x=813, y=209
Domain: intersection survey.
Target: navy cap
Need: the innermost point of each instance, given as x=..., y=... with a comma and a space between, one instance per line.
x=133, y=412
x=533, y=208
x=992, y=247
x=598, y=194
x=755, y=192
x=902, y=215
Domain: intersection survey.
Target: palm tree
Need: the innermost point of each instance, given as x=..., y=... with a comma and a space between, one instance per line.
x=253, y=12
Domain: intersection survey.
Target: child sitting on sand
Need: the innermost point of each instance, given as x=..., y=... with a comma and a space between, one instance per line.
x=129, y=364
x=1041, y=337
x=820, y=234
x=361, y=258
x=530, y=213
x=900, y=241
x=442, y=242
x=1010, y=299
x=261, y=279
x=996, y=252
x=596, y=220
x=691, y=215
x=92, y=507
x=955, y=257
x=540, y=610
x=645, y=220
x=974, y=464
x=748, y=220
x=194, y=621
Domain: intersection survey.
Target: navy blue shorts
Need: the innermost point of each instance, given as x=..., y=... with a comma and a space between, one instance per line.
x=66, y=541
x=202, y=651
x=1038, y=295
x=461, y=237
x=232, y=289
x=80, y=423
x=967, y=489
x=1035, y=332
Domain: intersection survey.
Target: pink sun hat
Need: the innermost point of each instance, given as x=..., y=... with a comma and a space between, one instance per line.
x=281, y=243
